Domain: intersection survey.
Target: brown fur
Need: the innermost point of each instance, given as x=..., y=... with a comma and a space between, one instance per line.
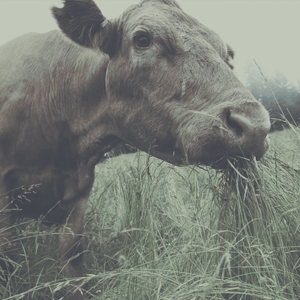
x=65, y=103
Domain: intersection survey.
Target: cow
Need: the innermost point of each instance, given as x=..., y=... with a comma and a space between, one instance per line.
x=153, y=77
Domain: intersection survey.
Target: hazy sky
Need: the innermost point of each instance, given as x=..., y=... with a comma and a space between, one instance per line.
x=267, y=31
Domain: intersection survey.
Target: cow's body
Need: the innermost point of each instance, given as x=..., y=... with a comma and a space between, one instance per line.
x=46, y=140
x=64, y=105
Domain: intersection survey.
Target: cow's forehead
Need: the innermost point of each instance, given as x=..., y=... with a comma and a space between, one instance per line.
x=165, y=17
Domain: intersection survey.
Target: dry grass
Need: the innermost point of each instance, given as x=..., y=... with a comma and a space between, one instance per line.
x=155, y=231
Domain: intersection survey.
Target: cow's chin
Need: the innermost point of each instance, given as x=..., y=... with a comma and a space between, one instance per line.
x=205, y=159
x=231, y=161
x=232, y=156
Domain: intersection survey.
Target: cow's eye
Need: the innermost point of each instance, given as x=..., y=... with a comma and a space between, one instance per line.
x=143, y=41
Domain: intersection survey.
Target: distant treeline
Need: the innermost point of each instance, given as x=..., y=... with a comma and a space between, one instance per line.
x=285, y=111
x=287, y=95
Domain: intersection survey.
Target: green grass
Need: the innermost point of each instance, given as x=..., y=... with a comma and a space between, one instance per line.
x=155, y=231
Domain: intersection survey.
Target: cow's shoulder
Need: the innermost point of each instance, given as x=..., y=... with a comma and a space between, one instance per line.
x=31, y=53
x=39, y=62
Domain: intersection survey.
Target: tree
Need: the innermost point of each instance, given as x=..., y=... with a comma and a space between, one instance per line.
x=287, y=95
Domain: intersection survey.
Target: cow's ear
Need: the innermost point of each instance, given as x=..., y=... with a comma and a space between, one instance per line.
x=83, y=22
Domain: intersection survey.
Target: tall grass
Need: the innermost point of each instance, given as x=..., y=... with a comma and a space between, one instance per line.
x=155, y=231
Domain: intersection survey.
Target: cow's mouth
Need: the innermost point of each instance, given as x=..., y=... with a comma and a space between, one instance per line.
x=232, y=161
x=250, y=151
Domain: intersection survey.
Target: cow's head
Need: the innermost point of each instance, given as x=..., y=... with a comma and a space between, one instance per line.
x=169, y=84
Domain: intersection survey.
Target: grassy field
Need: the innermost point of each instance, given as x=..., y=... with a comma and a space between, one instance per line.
x=155, y=231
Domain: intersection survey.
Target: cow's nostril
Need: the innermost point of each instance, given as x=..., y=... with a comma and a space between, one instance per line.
x=234, y=124
x=249, y=131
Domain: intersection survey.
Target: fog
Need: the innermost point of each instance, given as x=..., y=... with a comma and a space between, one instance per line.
x=267, y=31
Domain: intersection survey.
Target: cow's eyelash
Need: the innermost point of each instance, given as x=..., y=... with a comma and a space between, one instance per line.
x=141, y=33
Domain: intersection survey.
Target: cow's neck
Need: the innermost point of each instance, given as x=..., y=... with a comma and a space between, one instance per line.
x=82, y=103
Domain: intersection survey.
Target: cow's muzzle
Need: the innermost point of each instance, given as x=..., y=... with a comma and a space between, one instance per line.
x=245, y=129
x=249, y=131
x=240, y=129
